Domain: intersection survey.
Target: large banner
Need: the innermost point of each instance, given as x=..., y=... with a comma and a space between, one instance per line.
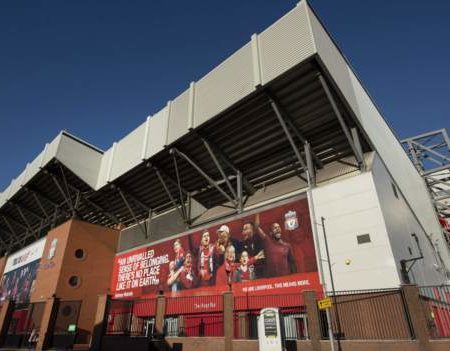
x=20, y=273
x=264, y=253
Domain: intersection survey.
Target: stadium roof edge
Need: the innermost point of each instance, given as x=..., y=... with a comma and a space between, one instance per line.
x=292, y=72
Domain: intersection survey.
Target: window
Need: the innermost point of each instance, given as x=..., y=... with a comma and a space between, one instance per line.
x=80, y=254
x=363, y=239
x=74, y=281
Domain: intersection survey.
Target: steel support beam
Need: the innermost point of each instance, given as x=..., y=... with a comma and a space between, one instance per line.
x=239, y=197
x=288, y=135
x=134, y=198
x=25, y=220
x=287, y=118
x=249, y=188
x=65, y=196
x=26, y=209
x=169, y=194
x=310, y=165
x=204, y=175
x=133, y=215
x=7, y=220
x=431, y=151
x=177, y=174
x=12, y=236
x=358, y=147
x=94, y=205
x=39, y=203
x=219, y=167
x=359, y=157
x=42, y=196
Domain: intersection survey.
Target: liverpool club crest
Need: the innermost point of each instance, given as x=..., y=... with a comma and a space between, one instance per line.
x=290, y=220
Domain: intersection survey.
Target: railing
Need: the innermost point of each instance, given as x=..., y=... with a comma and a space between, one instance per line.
x=133, y=318
x=194, y=316
x=293, y=316
x=436, y=307
x=368, y=314
x=200, y=324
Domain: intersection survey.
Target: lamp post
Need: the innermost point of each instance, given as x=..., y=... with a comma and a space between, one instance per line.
x=338, y=322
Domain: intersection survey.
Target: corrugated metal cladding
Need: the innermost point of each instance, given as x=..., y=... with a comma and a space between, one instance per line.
x=255, y=302
x=194, y=304
x=144, y=308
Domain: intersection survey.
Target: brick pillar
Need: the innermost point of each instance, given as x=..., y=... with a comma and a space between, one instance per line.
x=47, y=322
x=310, y=299
x=416, y=315
x=228, y=320
x=160, y=313
x=5, y=319
x=100, y=321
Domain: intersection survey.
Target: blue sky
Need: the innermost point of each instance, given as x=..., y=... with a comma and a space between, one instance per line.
x=98, y=68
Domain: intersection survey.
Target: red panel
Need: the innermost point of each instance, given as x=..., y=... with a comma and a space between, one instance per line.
x=259, y=302
x=194, y=304
x=144, y=308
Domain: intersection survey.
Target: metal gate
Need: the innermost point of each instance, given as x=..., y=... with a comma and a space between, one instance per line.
x=24, y=318
x=65, y=329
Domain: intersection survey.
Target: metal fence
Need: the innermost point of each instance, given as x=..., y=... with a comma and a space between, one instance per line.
x=368, y=314
x=200, y=324
x=194, y=316
x=133, y=318
x=436, y=307
x=292, y=315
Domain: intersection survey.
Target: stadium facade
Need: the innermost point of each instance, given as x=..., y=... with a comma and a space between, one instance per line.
x=282, y=132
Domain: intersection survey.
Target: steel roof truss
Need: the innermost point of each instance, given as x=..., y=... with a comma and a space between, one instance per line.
x=356, y=152
x=27, y=210
x=288, y=134
x=287, y=118
x=39, y=203
x=19, y=210
x=219, y=168
x=94, y=205
x=132, y=213
x=169, y=194
x=204, y=175
x=65, y=196
x=177, y=173
x=309, y=163
x=249, y=189
x=9, y=219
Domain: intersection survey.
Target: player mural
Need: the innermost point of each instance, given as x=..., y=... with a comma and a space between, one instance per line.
x=20, y=273
x=269, y=251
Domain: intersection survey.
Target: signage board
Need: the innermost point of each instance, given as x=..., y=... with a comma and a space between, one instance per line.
x=267, y=252
x=324, y=303
x=269, y=330
x=20, y=273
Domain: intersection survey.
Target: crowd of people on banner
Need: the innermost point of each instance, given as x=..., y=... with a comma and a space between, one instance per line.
x=223, y=259
x=19, y=283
